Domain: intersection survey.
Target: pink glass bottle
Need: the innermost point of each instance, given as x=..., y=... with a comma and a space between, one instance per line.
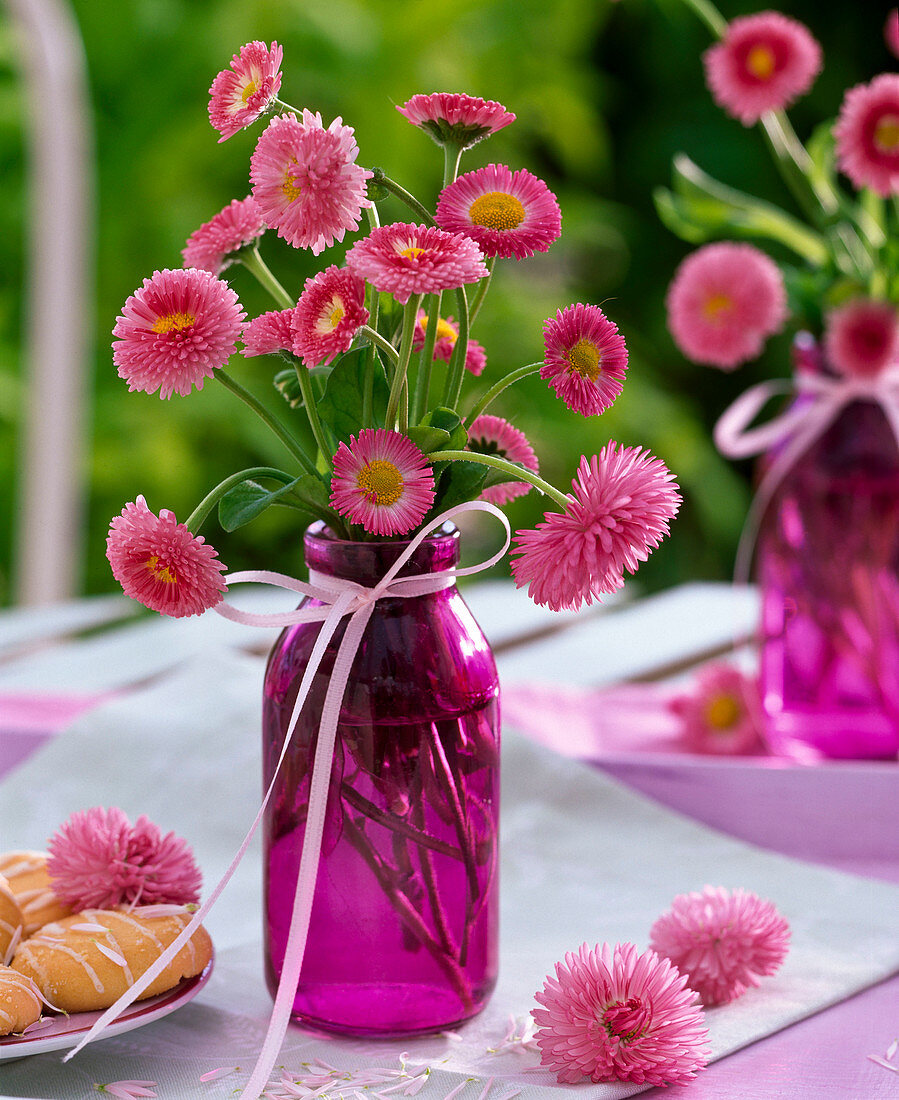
x=829, y=574
x=403, y=934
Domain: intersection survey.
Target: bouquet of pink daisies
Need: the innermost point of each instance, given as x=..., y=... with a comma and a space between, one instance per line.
x=839, y=281
x=376, y=354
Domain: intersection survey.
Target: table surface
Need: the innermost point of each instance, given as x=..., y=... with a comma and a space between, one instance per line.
x=60, y=660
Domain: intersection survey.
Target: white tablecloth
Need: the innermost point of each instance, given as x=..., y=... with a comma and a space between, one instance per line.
x=583, y=859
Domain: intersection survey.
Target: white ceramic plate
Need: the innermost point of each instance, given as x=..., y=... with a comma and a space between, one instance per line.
x=64, y=1032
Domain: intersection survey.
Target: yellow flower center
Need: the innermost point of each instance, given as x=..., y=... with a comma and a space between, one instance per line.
x=886, y=134
x=761, y=62
x=584, y=358
x=497, y=210
x=445, y=331
x=160, y=570
x=249, y=90
x=173, y=322
x=715, y=305
x=722, y=712
x=290, y=188
x=412, y=252
x=330, y=316
x=381, y=482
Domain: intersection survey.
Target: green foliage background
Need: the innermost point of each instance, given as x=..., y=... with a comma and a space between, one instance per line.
x=605, y=95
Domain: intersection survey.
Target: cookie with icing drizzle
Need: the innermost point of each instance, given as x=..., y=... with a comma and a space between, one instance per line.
x=12, y=923
x=31, y=885
x=20, y=1002
x=86, y=961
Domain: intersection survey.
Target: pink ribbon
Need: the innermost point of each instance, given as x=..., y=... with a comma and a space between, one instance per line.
x=339, y=598
x=797, y=428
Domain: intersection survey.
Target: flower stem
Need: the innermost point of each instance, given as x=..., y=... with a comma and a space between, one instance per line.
x=254, y=263
x=452, y=154
x=374, y=303
x=262, y=412
x=399, y=375
x=709, y=15
x=481, y=294
x=497, y=388
x=426, y=362
x=522, y=473
x=312, y=412
x=198, y=516
x=460, y=353
x=405, y=196
x=377, y=338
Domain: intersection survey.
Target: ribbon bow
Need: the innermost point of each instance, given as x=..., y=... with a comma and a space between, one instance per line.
x=339, y=598
x=794, y=430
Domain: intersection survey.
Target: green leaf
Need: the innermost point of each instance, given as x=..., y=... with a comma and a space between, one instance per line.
x=459, y=481
x=702, y=209
x=288, y=385
x=341, y=404
x=448, y=421
x=428, y=439
x=249, y=499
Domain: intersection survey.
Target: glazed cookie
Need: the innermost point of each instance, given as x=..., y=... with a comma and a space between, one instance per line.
x=20, y=1002
x=12, y=923
x=26, y=873
x=87, y=961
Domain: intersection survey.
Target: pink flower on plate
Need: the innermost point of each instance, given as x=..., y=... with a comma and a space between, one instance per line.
x=867, y=134
x=269, y=333
x=585, y=358
x=723, y=942
x=158, y=562
x=330, y=312
x=507, y=213
x=447, y=335
x=212, y=246
x=456, y=119
x=724, y=302
x=623, y=502
x=720, y=715
x=611, y=1014
x=383, y=481
x=175, y=331
x=306, y=180
x=403, y=259
x=763, y=63
x=239, y=96
x=495, y=436
x=99, y=860
x=129, y=1090
x=861, y=338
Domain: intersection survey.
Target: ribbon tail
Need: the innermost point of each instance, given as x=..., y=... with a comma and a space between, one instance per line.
x=336, y=613
x=310, y=856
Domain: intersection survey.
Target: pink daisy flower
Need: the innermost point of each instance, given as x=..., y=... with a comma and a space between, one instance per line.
x=891, y=31
x=99, y=860
x=456, y=119
x=507, y=213
x=867, y=134
x=611, y=1014
x=494, y=436
x=306, y=181
x=764, y=62
x=862, y=337
x=383, y=481
x=724, y=302
x=269, y=333
x=447, y=335
x=403, y=260
x=623, y=502
x=175, y=331
x=719, y=714
x=722, y=942
x=586, y=358
x=159, y=562
x=212, y=246
x=330, y=312
x=239, y=96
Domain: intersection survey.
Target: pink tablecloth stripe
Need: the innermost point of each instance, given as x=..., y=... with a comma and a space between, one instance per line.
x=27, y=721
